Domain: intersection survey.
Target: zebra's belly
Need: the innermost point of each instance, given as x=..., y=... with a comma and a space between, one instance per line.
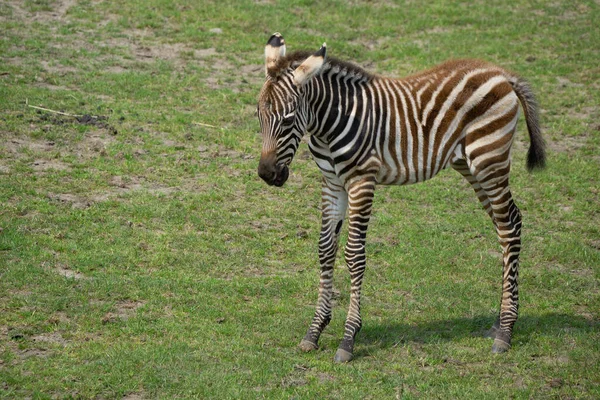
x=391, y=175
x=400, y=172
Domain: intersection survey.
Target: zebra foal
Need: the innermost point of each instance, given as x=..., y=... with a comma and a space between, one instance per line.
x=367, y=130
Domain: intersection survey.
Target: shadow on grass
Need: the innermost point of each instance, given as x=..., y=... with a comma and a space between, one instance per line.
x=394, y=334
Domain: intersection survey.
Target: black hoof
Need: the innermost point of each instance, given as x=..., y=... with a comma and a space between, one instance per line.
x=500, y=346
x=342, y=356
x=307, y=345
x=501, y=342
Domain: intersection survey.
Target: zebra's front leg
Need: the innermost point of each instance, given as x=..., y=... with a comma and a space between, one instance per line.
x=360, y=204
x=334, y=202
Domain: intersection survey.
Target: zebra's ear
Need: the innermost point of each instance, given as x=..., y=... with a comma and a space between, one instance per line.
x=274, y=50
x=310, y=67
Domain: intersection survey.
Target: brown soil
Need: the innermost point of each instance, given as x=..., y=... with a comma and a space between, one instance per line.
x=123, y=311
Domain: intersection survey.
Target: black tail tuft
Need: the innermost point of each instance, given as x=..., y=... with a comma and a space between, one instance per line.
x=536, y=156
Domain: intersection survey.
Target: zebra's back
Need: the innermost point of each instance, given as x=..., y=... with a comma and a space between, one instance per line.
x=462, y=109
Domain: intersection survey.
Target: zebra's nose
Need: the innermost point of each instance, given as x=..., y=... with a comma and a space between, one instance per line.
x=267, y=173
x=267, y=169
x=271, y=172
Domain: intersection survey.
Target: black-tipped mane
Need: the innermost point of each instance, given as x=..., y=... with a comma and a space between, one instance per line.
x=297, y=57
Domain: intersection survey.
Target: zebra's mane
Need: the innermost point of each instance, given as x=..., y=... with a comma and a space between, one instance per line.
x=345, y=68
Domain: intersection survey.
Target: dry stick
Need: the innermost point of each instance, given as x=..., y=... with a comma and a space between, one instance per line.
x=203, y=124
x=52, y=111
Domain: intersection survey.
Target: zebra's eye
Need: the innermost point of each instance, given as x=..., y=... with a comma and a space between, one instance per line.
x=288, y=119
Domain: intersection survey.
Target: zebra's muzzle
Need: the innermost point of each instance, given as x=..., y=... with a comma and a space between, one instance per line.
x=282, y=175
x=273, y=174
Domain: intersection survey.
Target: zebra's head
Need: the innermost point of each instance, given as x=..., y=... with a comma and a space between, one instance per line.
x=282, y=110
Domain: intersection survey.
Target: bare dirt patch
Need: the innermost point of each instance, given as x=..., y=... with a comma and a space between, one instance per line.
x=49, y=165
x=28, y=353
x=46, y=154
x=50, y=338
x=134, y=396
x=594, y=243
x=94, y=144
x=57, y=69
x=123, y=311
x=563, y=144
x=49, y=118
x=253, y=73
x=139, y=46
x=125, y=184
x=563, y=82
x=566, y=144
x=24, y=345
x=225, y=75
x=99, y=121
x=371, y=44
x=161, y=51
x=68, y=273
x=76, y=201
x=57, y=12
x=63, y=270
x=58, y=317
x=119, y=186
x=18, y=145
x=203, y=53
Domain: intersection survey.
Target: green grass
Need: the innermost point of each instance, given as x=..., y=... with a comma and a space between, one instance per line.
x=142, y=257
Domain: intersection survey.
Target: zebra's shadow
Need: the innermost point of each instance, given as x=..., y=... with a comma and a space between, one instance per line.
x=393, y=334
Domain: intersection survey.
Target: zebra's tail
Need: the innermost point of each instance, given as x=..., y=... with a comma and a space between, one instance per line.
x=536, y=156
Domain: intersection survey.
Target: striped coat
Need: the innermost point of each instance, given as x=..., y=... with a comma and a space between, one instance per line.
x=367, y=130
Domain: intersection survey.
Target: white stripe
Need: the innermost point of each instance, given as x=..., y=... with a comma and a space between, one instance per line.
x=351, y=144
x=338, y=114
x=488, y=139
x=442, y=113
x=431, y=103
x=411, y=176
x=348, y=126
x=385, y=152
x=507, y=101
x=471, y=103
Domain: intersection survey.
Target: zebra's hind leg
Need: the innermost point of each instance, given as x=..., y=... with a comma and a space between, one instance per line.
x=334, y=202
x=461, y=166
x=507, y=218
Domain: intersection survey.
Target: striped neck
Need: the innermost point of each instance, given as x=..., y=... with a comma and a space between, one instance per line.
x=336, y=101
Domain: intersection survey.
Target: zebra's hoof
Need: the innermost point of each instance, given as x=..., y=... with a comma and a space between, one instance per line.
x=307, y=346
x=342, y=356
x=500, y=346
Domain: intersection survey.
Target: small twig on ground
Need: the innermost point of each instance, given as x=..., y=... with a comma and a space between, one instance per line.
x=52, y=111
x=206, y=125
x=84, y=119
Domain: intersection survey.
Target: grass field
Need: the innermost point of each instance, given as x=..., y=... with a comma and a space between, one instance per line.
x=142, y=257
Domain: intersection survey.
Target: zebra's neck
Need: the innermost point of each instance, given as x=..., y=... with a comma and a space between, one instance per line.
x=338, y=104
x=342, y=121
